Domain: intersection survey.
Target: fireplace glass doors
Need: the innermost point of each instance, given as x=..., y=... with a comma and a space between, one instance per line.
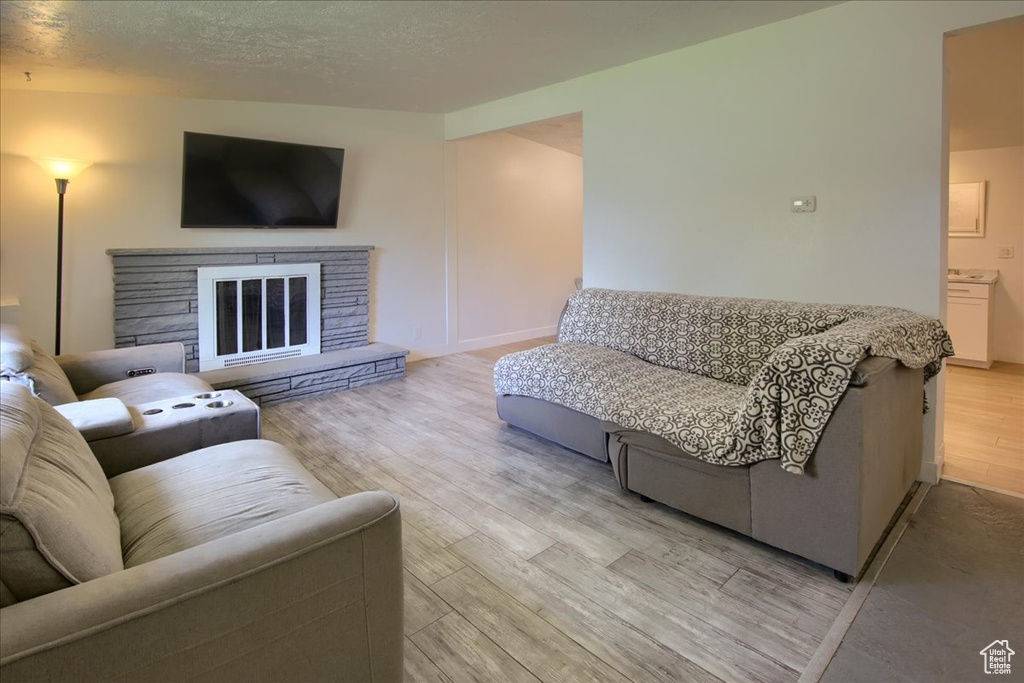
x=251, y=314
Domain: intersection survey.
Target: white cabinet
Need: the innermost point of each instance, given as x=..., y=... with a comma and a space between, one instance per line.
x=969, y=321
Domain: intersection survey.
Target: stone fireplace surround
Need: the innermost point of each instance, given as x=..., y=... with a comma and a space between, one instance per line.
x=156, y=300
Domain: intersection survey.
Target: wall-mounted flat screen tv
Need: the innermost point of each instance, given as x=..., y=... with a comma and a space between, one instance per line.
x=232, y=182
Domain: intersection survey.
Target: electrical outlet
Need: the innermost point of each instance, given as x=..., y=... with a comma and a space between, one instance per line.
x=804, y=204
x=1005, y=252
x=416, y=334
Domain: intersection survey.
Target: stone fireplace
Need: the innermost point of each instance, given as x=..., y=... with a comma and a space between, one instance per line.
x=158, y=298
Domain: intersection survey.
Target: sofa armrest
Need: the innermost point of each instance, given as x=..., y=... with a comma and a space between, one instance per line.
x=870, y=367
x=312, y=596
x=160, y=431
x=99, y=418
x=866, y=460
x=87, y=371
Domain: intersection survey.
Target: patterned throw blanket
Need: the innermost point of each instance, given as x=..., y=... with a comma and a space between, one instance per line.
x=759, y=379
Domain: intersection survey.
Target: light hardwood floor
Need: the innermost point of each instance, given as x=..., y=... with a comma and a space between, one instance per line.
x=985, y=427
x=525, y=562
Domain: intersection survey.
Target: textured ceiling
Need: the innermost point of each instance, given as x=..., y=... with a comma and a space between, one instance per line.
x=416, y=55
x=986, y=87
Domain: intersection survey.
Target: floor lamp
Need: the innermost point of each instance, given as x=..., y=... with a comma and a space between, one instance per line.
x=61, y=170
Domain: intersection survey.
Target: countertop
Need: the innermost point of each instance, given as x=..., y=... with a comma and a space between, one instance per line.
x=975, y=275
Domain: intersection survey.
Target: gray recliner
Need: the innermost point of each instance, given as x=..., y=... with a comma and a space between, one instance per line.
x=138, y=374
x=228, y=563
x=135, y=406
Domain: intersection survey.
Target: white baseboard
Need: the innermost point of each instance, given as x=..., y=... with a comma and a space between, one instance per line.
x=506, y=338
x=930, y=471
x=424, y=354
x=482, y=343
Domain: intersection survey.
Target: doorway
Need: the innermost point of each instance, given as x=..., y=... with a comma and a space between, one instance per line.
x=984, y=425
x=515, y=226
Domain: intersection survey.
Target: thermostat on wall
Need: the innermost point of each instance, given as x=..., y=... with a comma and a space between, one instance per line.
x=804, y=204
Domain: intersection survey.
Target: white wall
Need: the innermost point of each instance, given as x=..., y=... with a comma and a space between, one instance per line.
x=519, y=233
x=691, y=159
x=392, y=197
x=1003, y=168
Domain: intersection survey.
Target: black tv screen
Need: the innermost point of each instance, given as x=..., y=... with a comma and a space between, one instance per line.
x=232, y=182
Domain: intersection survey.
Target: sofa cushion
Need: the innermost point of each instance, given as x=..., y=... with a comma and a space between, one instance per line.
x=57, y=520
x=650, y=464
x=15, y=351
x=695, y=412
x=23, y=361
x=102, y=418
x=149, y=388
x=721, y=338
x=208, y=494
x=48, y=380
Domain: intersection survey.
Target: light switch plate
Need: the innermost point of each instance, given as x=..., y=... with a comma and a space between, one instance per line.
x=1005, y=252
x=804, y=204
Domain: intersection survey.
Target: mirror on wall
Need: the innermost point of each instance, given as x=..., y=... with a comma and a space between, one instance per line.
x=967, y=209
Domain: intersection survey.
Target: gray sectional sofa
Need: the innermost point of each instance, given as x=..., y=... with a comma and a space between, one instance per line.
x=799, y=425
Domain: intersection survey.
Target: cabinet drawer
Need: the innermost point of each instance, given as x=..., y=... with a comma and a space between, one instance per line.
x=967, y=290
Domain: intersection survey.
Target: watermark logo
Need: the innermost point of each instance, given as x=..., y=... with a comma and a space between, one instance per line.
x=997, y=657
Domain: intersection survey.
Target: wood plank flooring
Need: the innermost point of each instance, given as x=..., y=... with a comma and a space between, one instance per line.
x=985, y=427
x=525, y=562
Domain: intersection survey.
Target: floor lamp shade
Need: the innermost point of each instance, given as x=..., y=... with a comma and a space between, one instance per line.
x=61, y=170
x=66, y=169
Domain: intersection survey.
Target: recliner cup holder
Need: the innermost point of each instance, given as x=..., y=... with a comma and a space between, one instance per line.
x=219, y=404
x=183, y=405
x=207, y=394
